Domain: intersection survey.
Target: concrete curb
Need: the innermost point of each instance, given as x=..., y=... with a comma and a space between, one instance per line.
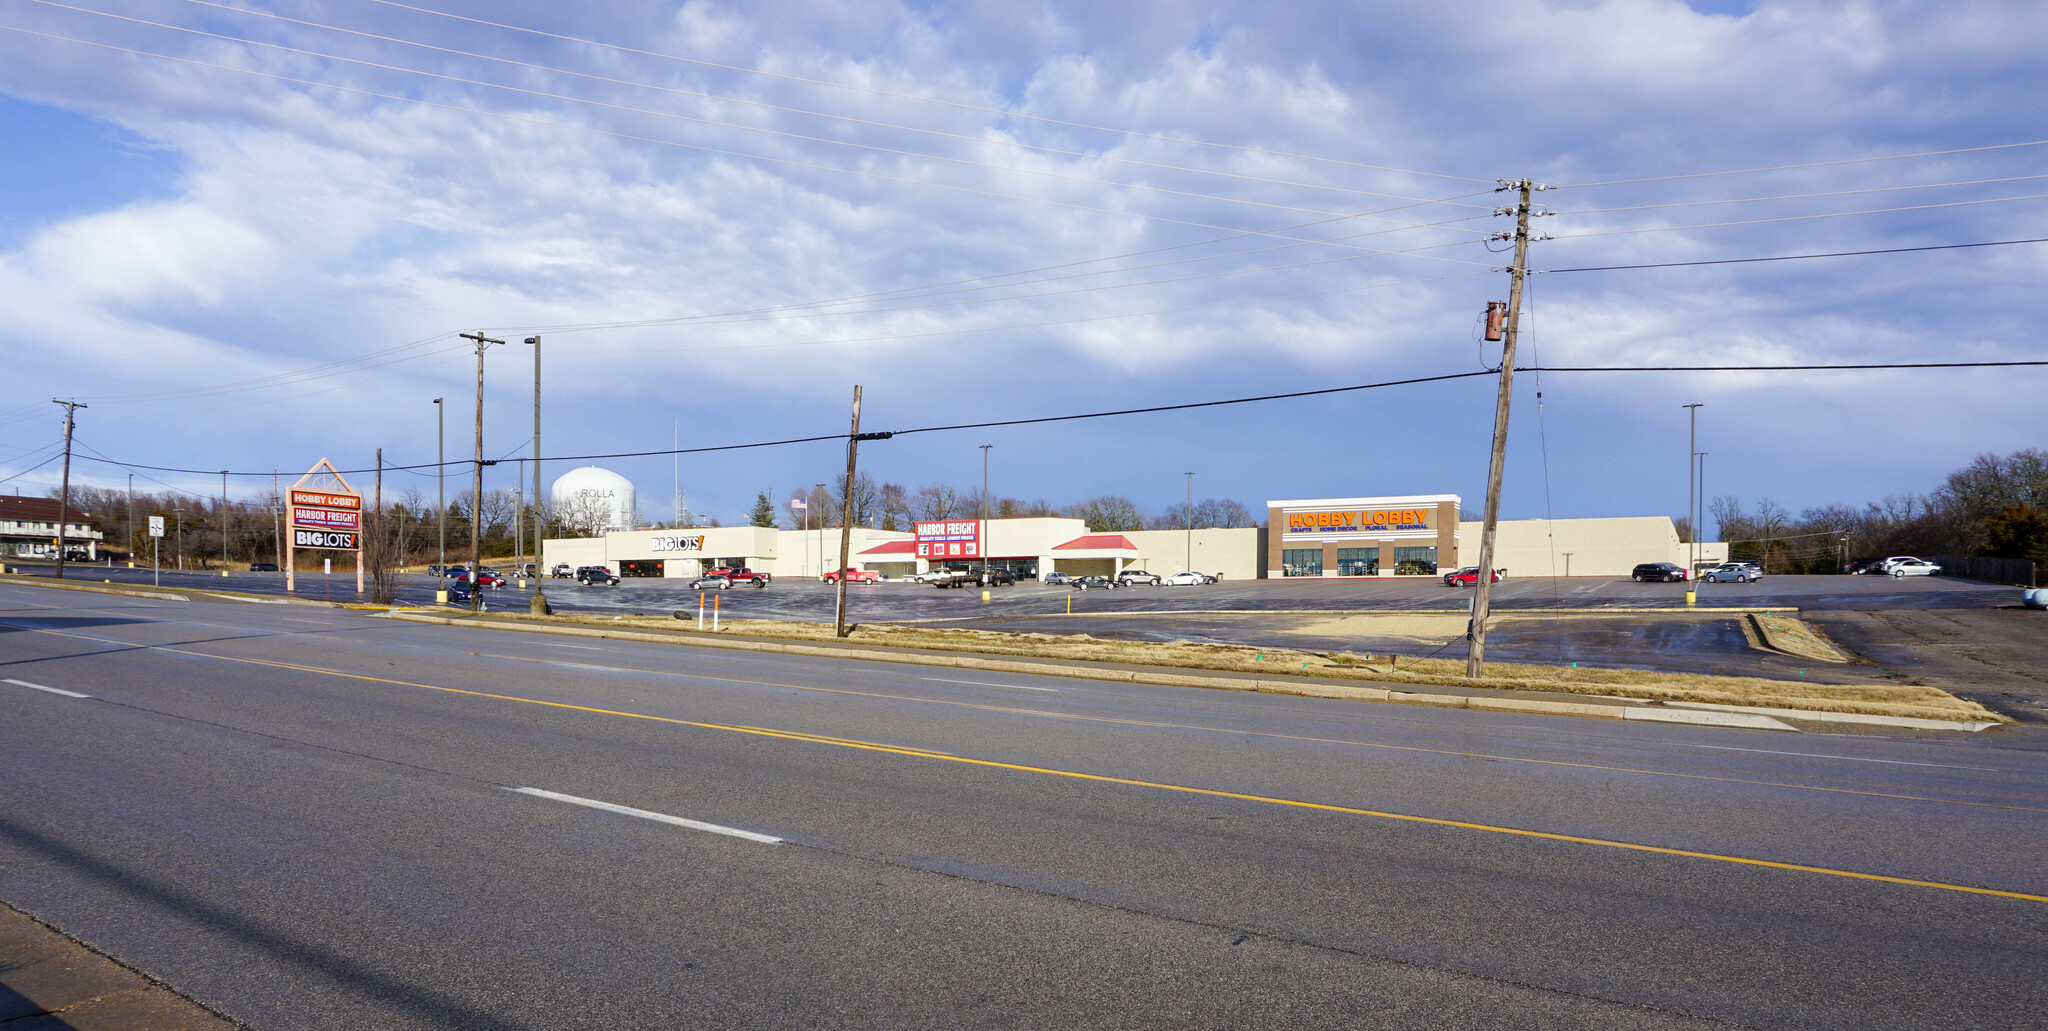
x=1692, y=713
x=162, y=593
x=1498, y=614
x=1799, y=650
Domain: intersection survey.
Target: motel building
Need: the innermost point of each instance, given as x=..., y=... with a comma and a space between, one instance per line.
x=1420, y=535
x=28, y=528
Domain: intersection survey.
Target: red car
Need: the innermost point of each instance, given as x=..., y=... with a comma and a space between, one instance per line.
x=487, y=579
x=854, y=576
x=1469, y=577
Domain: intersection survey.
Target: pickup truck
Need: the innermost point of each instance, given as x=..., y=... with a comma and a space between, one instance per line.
x=740, y=575
x=855, y=576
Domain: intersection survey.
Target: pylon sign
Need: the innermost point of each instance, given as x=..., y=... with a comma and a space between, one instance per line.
x=325, y=514
x=323, y=511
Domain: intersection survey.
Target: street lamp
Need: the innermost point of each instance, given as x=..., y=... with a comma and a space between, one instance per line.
x=1188, y=517
x=539, y=603
x=984, y=512
x=1692, y=449
x=441, y=473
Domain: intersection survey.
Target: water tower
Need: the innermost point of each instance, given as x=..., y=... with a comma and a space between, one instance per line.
x=595, y=499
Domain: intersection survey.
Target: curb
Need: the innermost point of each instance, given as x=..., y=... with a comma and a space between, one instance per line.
x=164, y=593
x=1772, y=640
x=1497, y=614
x=1695, y=713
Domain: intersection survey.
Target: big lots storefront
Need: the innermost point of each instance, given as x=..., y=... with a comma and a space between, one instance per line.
x=1037, y=546
x=1413, y=535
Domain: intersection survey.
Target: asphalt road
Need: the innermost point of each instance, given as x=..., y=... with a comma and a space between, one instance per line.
x=303, y=818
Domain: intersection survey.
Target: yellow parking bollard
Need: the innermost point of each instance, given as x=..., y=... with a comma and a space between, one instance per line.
x=984, y=597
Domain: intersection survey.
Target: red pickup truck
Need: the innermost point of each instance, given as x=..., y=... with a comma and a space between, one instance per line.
x=855, y=576
x=740, y=575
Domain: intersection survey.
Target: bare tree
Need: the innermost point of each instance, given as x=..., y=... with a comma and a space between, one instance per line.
x=935, y=501
x=1109, y=513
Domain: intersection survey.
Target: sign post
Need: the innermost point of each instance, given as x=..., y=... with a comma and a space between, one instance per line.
x=156, y=555
x=323, y=512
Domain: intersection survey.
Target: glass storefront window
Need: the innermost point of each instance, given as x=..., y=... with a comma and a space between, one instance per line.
x=1358, y=561
x=1301, y=562
x=1415, y=561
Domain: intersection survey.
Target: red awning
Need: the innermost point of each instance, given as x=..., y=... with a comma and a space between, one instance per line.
x=1098, y=542
x=893, y=548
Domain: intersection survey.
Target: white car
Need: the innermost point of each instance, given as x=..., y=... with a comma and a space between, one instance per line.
x=1886, y=565
x=1184, y=580
x=1913, y=567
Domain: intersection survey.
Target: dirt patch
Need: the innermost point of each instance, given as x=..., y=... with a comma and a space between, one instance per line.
x=1419, y=628
x=1794, y=637
x=1882, y=699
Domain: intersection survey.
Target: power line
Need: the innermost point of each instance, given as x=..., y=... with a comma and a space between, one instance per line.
x=1799, y=196
x=975, y=140
x=1800, y=218
x=522, y=119
x=1036, y=420
x=1782, y=168
x=1801, y=257
x=928, y=100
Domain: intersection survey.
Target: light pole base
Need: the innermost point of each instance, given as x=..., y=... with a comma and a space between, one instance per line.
x=539, y=605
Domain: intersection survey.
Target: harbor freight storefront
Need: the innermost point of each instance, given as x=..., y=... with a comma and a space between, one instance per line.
x=1414, y=535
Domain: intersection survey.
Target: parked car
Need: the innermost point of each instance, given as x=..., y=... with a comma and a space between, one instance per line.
x=488, y=579
x=1056, y=577
x=1130, y=577
x=741, y=575
x=854, y=576
x=262, y=567
x=1659, y=571
x=453, y=571
x=459, y=592
x=710, y=583
x=591, y=576
x=1189, y=579
x=1738, y=572
x=1860, y=566
x=1469, y=577
x=1085, y=583
x=997, y=578
x=562, y=571
x=1914, y=567
x=1886, y=565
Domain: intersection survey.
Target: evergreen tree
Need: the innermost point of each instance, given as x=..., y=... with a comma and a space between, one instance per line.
x=764, y=511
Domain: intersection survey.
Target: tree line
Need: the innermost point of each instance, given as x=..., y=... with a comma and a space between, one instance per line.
x=1996, y=506
x=891, y=506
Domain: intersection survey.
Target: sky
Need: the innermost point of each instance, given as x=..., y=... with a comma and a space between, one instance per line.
x=247, y=234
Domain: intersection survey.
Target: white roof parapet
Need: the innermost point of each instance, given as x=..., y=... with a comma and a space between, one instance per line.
x=1405, y=499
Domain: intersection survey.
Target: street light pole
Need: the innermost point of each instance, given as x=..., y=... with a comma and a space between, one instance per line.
x=1188, y=516
x=539, y=603
x=1692, y=447
x=223, y=520
x=441, y=473
x=984, y=513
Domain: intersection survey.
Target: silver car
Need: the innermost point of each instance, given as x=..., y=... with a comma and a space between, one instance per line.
x=1914, y=567
x=1737, y=572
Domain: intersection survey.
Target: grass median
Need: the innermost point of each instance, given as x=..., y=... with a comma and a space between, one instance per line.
x=1883, y=699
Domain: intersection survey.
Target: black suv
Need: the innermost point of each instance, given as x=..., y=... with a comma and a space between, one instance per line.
x=591, y=576
x=1659, y=571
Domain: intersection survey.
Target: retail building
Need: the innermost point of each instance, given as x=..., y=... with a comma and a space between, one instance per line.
x=28, y=527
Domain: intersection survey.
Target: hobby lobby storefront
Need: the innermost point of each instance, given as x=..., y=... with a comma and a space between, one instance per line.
x=1331, y=537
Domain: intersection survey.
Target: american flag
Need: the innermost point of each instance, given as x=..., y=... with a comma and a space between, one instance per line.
x=797, y=505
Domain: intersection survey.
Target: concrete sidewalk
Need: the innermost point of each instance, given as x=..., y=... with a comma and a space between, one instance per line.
x=49, y=981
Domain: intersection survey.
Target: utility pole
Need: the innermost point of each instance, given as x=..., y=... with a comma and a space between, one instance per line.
x=984, y=511
x=539, y=604
x=1482, y=599
x=223, y=520
x=1692, y=450
x=276, y=518
x=1189, y=516
x=64, y=492
x=376, y=526
x=131, y=519
x=821, y=529
x=846, y=513
x=476, y=480
x=441, y=473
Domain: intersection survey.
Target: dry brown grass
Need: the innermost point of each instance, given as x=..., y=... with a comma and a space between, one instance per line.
x=1885, y=699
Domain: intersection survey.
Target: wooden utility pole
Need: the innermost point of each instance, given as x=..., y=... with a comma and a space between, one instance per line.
x=64, y=492
x=846, y=516
x=539, y=605
x=1482, y=599
x=224, y=521
x=476, y=479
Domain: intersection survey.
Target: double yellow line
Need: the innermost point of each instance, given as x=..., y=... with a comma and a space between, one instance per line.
x=918, y=753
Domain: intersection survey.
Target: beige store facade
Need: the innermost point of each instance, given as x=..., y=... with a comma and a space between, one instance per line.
x=683, y=554
x=1403, y=535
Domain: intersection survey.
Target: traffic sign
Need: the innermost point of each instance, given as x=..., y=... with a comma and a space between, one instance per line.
x=156, y=526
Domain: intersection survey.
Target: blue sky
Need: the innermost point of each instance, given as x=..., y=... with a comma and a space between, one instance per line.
x=250, y=257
